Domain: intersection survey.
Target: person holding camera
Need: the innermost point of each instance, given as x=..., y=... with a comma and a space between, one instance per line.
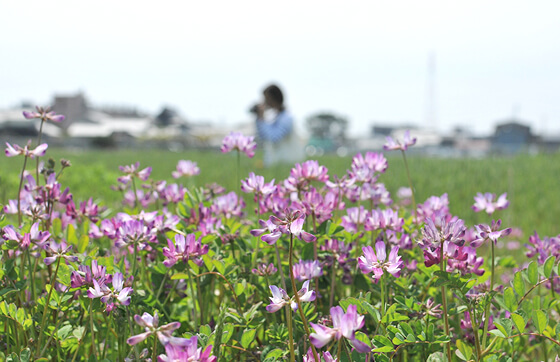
x=275, y=128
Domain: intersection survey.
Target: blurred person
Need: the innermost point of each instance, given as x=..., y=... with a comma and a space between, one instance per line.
x=276, y=129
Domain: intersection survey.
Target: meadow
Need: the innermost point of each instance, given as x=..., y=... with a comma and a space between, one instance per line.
x=194, y=273
x=531, y=181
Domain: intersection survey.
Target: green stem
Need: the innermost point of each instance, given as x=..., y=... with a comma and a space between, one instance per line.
x=444, y=304
x=136, y=201
x=38, y=143
x=154, y=349
x=162, y=284
x=333, y=282
x=409, y=183
x=42, y=329
x=476, y=336
x=93, y=344
x=298, y=302
x=290, y=332
x=280, y=266
x=488, y=302
x=193, y=296
x=256, y=254
x=383, y=301
x=19, y=190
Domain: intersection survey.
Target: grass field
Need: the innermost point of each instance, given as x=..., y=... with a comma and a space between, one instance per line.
x=530, y=181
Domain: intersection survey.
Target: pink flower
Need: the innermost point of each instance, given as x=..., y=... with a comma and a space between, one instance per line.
x=291, y=224
x=185, y=247
x=307, y=269
x=237, y=141
x=45, y=114
x=186, y=168
x=182, y=349
x=255, y=184
x=344, y=325
x=150, y=325
x=397, y=145
x=354, y=218
x=264, y=269
x=16, y=150
x=303, y=173
x=132, y=171
x=280, y=298
x=378, y=263
x=488, y=202
x=485, y=232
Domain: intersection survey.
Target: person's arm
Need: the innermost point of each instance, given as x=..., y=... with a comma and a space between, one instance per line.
x=276, y=130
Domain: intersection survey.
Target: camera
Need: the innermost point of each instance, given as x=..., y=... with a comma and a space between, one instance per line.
x=254, y=109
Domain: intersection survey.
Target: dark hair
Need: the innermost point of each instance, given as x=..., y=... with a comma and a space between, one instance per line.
x=275, y=93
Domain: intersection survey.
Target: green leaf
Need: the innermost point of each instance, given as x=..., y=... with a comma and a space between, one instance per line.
x=274, y=354
x=519, y=284
x=25, y=355
x=533, y=273
x=83, y=242
x=504, y=325
x=372, y=311
x=239, y=289
x=465, y=350
x=509, y=300
x=307, y=252
x=64, y=274
x=228, y=332
x=436, y=357
x=540, y=320
x=72, y=238
x=248, y=337
x=382, y=340
x=179, y=276
x=519, y=322
x=393, y=316
x=220, y=267
x=548, y=265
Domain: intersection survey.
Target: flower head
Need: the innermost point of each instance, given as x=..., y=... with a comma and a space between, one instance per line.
x=398, y=145
x=344, y=325
x=186, y=168
x=16, y=150
x=280, y=298
x=184, y=248
x=488, y=202
x=377, y=261
x=307, y=269
x=131, y=171
x=151, y=326
x=237, y=141
x=45, y=114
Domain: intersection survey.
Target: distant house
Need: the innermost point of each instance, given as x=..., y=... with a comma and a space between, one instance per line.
x=511, y=137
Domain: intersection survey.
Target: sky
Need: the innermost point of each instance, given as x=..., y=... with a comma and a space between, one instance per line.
x=367, y=61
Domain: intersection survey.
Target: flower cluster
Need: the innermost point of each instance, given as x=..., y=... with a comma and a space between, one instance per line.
x=241, y=143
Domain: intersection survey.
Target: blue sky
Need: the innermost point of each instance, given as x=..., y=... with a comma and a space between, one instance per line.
x=366, y=60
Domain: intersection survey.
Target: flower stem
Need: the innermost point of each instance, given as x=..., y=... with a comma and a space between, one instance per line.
x=333, y=283
x=19, y=190
x=280, y=266
x=476, y=337
x=154, y=349
x=38, y=143
x=444, y=304
x=290, y=332
x=409, y=182
x=42, y=329
x=298, y=302
x=194, y=299
x=489, y=302
x=93, y=344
